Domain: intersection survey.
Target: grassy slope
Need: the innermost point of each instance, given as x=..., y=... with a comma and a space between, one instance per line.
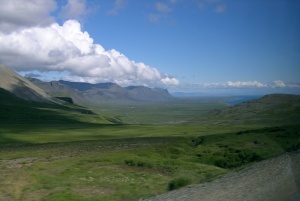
x=14, y=110
x=126, y=162
x=276, y=109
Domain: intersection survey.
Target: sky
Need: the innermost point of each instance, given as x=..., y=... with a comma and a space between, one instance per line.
x=194, y=46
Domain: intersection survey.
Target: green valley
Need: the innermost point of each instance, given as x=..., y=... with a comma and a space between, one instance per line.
x=128, y=151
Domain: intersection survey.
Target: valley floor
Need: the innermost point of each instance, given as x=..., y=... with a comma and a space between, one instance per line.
x=276, y=179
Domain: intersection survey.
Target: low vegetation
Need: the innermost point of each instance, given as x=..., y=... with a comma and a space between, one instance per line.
x=71, y=153
x=133, y=168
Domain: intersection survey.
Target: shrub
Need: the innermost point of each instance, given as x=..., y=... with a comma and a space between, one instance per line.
x=129, y=162
x=237, y=159
x=178, y=183
x=137, y=163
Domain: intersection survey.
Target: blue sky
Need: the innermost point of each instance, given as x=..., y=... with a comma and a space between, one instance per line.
x=209, y=46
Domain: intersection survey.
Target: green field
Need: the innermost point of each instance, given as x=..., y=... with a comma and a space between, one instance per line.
x=127, y=152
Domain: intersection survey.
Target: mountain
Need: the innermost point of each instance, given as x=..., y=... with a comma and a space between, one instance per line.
x=113, y=92
x=83, y=86
x=91, y=94
x=23, y=102
x=61, y=91
x=17, y=111
x=274, y=108
x=145, y=93
x=21, y=87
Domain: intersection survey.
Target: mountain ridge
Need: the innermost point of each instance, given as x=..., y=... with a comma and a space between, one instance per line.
x=21, y=87
x=90, y=94
x=276, y=108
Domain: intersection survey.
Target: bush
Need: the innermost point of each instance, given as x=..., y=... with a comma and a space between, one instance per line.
x=137, y=163
x=178, y=183
x=237, y=159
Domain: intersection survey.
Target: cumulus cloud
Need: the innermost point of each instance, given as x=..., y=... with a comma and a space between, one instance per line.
x=170, y=81
x=16, y=15
x=67, y=48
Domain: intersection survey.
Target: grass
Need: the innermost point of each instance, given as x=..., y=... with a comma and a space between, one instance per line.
x=58, y=170
x=175, y=112
x=133, y=168
x=237, y=149
x=45, y=133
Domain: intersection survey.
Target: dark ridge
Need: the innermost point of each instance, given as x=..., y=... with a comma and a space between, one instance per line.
x=66, y=99
x=82, y=86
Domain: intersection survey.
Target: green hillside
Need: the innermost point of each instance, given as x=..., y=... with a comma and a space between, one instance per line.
x=14, y=110
x=270, y=110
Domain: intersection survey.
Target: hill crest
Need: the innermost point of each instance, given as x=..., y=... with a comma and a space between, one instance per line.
x=277, y=108
x=21, y=87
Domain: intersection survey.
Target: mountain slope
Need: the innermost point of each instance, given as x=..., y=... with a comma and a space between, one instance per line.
x=112, y=92
x=23, y=102
x=145, y=93
x=275, y=108
x=87, y=94
x=15, y=110
x=56, y=89
x=21, y=87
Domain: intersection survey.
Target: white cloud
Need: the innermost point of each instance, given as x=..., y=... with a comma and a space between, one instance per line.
x=245, y=84
x=68, y=48
x=239, y=85
x=279, y=83
x=16, y=15
x=170, y=81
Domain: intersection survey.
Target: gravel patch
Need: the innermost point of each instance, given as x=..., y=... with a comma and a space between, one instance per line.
x=276, y=179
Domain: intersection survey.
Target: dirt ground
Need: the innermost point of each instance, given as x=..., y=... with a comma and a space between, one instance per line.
x=276, y=179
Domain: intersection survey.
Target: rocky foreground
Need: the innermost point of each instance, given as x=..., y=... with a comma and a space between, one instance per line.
x=276, y=179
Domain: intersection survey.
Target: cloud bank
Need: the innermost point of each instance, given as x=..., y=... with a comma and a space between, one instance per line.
x=16, y=15
x=237, y=88
x=43, y=45
x=240, y=85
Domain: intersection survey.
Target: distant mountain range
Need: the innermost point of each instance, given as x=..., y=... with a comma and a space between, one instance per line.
x=20, y=96
x=90, y=94
x=80, y=93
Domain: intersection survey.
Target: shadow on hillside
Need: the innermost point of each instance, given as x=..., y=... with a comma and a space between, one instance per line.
x=17, y=111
